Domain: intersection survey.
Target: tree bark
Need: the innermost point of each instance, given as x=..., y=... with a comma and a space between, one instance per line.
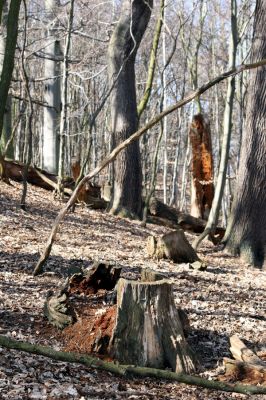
x=148, y=329
x=246, y=231
x=135, y=15
x=52, y=93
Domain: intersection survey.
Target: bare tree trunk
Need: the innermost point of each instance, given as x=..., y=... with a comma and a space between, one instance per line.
x=52, y=93
x=246, y=233
x=123, y=48
x=64, y=113
x=8, y=63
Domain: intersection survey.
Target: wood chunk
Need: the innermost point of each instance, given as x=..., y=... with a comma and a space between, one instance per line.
x=58, y=310
x=198, y=265
x=243, y=371
x=149, y=275
x=241, y=353
x=174, y=246
x=99, y=276
x=148, y=329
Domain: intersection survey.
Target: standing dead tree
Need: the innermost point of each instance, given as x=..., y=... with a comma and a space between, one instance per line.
x=111, y=157
x=202, y=188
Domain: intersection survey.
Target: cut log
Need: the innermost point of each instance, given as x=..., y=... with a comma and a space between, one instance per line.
x=148, y=329
x=174, y=246
x=241, y=353
x=99, y=276
x=176, y=218
x=57, y=309
x=242, y=371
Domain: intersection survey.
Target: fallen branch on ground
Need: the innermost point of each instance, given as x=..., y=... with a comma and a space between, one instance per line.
x=127, y=370
x=135, y=136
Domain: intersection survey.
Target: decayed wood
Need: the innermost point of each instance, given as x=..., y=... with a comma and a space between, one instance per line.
x=127, y=370
x=243, y=371
x=241, y=353
x=90, y=194
x=99, y=276
x=202, y=192
x=58, y=310
x=148, y=329
x=176, y=218
x=173, y=245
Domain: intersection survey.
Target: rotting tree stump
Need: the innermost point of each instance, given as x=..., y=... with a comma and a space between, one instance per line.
x=99, y=276
x=148, y=330
x=174, y=246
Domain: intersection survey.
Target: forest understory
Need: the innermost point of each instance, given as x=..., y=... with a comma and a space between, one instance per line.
x=228, y=298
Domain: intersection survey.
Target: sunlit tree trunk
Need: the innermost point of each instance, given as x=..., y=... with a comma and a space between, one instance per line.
x=246, y=231
x=123, y=48
x=52, y=93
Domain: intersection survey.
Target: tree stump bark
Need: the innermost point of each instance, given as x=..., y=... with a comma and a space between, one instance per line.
x=173, y=245
x=148, y=329
x=58, y=310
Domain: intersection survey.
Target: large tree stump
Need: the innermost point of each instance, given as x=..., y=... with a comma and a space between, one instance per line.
x=174, y=246
x=148, y=329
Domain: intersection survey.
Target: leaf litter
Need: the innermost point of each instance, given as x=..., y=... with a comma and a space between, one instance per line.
x=228, y=298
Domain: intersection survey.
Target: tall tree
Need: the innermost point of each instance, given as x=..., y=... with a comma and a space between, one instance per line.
x=52, y=92
x=246, y=232
x=8, y=61
x=123, y=48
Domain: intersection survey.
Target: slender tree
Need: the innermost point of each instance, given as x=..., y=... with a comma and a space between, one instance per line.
x=246, y=231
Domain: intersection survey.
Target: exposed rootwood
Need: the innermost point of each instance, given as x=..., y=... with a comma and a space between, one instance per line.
x=127, y=370
x=58, y=310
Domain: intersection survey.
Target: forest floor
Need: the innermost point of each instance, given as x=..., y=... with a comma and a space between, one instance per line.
x=228, y=298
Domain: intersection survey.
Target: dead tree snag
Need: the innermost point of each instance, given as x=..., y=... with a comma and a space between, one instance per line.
x=202, y=189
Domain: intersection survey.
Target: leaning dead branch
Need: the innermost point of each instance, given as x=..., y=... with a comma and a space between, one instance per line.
x=111, y=157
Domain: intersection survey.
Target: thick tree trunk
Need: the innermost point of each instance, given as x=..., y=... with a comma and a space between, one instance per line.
x=202, y=188
x=148, y=329
x=123, y=47
x=246, y=232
